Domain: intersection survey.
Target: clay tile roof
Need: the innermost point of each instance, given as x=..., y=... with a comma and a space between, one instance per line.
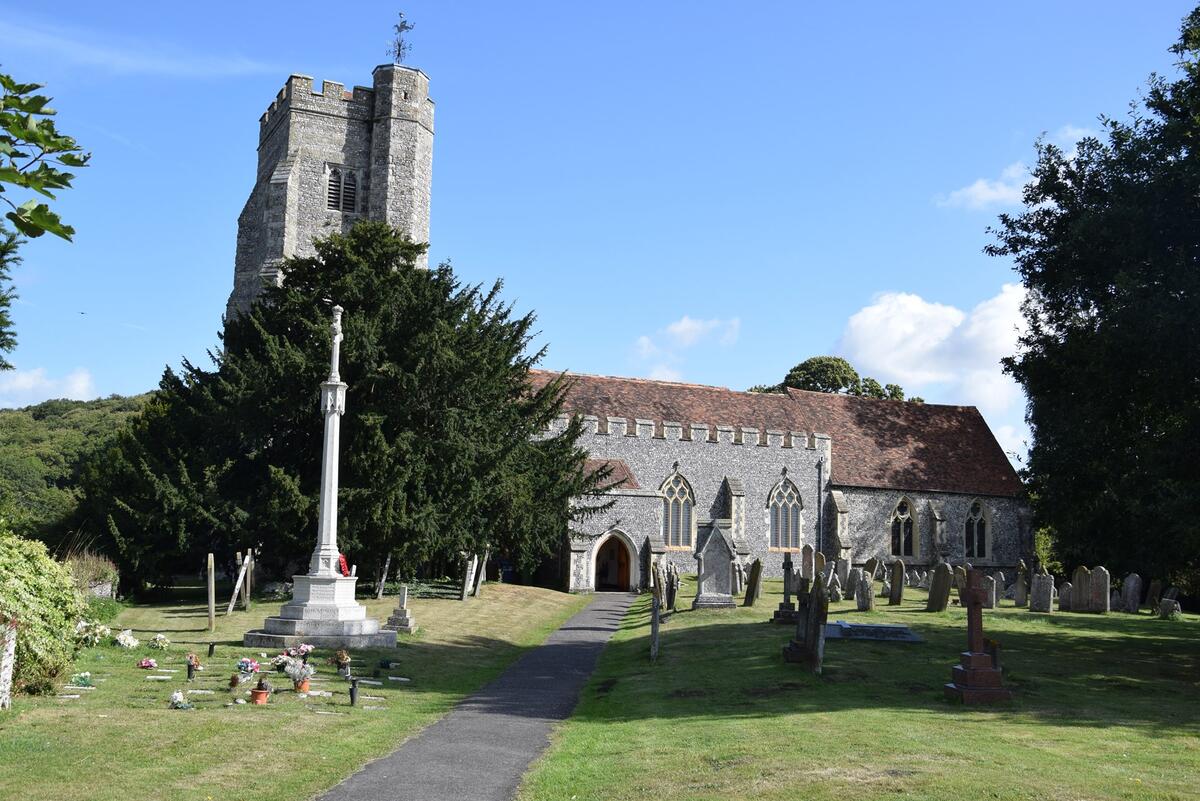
x=876, y=443
x=621, y=476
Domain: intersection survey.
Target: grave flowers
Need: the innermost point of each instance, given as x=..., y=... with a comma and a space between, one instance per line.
x=299, y=672
x=126, y=639
x=246, y=668
x=82, y=680
x=300, y=651
x=179, y=701
x=147, y=663
x=342, y=660
x=89, y=633
x=261, y=692
x=160, y=642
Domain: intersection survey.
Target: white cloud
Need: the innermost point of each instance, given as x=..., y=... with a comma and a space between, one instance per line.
x=126, y=57
x=987, y=193
x=944, y=353
x=25, y=387
x=662, y=354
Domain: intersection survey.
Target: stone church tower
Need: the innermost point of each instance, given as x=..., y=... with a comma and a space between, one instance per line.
x=327, y=159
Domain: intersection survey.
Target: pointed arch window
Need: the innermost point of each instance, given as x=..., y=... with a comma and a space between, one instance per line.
x=786, y=507
x=678, y=520
x=904, y=529
x=976, y=532
x=342, y=192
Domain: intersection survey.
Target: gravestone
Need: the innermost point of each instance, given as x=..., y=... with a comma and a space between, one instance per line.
x=1042, y=597
x=923, y=581
x=939, y=589
x=853, y=579
x=842, y=568
x=1169, y=608
x=402, y=619
x=480, y=572
x=1100, y=591
x=786, y=613
x=468, y=578
x=1064, y=596
x=808, y=646
x=1114, y=601
x=654, y=616
x=976, y=677
x=864, y=594
x=1171, y=594
x=1020, y=592
x=738, y=578
x=8, y=661
x=753, y=583
x=1131, y=593
x=885, y=589
x=960, y=580
x=989, y=592
x=714, y=570
x=896, y=596
x=1000, y=579
x=871, y=568
x=807, y=563
x=672, y=585
x=1153, y=595
x=819, y=565
x=1081, y=589
x=835, y=589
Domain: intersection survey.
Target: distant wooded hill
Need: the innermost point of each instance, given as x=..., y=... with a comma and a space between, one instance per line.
x=40, y=447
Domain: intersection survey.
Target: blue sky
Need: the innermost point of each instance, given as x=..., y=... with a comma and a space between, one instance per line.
x=700, y=191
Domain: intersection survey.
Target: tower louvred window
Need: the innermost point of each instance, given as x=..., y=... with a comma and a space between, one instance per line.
x=343, y=191
x=334, y=200
x=349, y=191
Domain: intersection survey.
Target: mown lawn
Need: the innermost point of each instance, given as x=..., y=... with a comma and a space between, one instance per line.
x=1107, y=707
x=120, y=741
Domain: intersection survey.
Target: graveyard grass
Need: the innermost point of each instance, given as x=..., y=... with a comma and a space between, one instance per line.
x=1106, y=708
x=120, y=741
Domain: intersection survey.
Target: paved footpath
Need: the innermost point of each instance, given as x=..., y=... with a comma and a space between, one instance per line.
x=480, y=750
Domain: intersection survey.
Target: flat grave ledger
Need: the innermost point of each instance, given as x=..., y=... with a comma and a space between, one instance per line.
x=882, y=632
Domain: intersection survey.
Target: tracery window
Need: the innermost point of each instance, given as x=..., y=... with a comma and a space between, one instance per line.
x=785, y=506
x=678, y=520
x=343, y=190
x=976, y=532
x=904, y=537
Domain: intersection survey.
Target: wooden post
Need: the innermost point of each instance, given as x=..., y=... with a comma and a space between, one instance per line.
x=212, y=595
x=238, y=584
x=383, y=577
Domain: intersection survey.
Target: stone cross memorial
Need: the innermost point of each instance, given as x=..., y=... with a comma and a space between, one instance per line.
x=976, y=678
x=714, y=570
x=402, y=619
x=808, y=646
x=323, y=610
x=786, y=613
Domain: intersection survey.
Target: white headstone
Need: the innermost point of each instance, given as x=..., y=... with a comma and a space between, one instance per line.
x=8, y=661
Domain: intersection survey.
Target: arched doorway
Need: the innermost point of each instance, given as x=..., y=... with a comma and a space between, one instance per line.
x=612, y=566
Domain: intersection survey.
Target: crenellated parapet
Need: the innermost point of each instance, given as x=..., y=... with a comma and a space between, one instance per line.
x=699, y=433
x=333, y=99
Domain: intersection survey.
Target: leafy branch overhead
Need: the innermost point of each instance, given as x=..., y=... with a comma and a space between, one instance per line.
x=35, y=157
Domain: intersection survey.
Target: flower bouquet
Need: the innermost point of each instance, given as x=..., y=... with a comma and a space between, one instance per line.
x=247, y=667
x=147, y=663
x=280, y=662
x=160, y=642
x=194, y=661
x=126, y=639
x=82, y=680
x=179, y=701
x=342, y=660
x=301, y=651
x=89, y=633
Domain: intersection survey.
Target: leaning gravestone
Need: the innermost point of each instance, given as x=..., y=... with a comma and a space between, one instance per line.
x=808, y=646
x=1131, y=593
x=939, y=589
x=842, y=567
x=714, y=571
x=835, y=589
x=989, y=592
x=1042, y=598
x=1100, y=591
x=960, y=580
x=8, y=661
x=1153, y=595
x=468, y=577
x=1081, y=589
x=896, y=596
x=871, y=568
x=853, y=579
x=864, y=594
x=1065, y=592
x=753, y=583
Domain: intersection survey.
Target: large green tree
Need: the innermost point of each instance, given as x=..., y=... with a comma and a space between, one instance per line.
x=835, y=375
x=1108, y=247
x=443, y=446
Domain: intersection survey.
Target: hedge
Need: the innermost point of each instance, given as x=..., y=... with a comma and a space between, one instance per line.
x=40, y=594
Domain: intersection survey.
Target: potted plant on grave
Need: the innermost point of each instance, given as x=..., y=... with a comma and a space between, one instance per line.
x=261, y=692
x=341, y=660
x=299, y=672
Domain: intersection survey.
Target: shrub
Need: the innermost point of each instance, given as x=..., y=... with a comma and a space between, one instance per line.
x=40, y=594
x=89, y=568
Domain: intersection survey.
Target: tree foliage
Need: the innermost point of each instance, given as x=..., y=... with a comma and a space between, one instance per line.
x=34, y=157
x=8, y=260
x=41, y=447
x=834, y=374
x=442, y=441
x=1108, y=247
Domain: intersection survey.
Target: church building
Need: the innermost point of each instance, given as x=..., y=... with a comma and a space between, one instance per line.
x=852, y=477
